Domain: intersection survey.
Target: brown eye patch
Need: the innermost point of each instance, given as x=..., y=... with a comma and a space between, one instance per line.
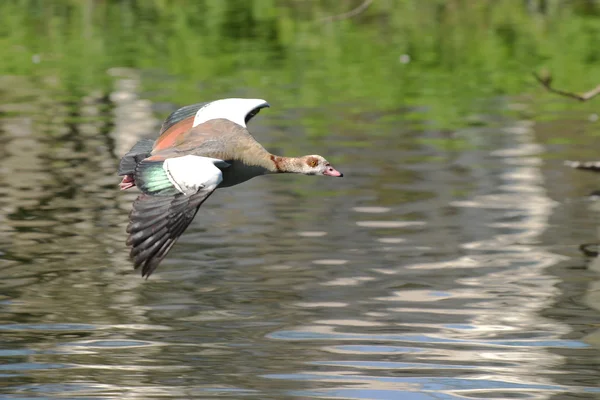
x=312, y=162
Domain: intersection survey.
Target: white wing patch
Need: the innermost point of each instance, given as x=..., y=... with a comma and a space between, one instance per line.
x=234, y=110
x=190, y=173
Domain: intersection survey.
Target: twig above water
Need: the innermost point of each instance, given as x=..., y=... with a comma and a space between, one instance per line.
x=593, y=166
x=546, y=81
x=352, y=13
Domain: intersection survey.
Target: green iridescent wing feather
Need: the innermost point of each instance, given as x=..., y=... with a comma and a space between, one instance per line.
x=152, y=179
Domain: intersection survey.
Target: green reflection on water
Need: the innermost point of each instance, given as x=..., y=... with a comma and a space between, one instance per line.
x=443, y=54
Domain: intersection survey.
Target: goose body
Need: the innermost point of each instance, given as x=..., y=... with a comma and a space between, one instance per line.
x=200, y=148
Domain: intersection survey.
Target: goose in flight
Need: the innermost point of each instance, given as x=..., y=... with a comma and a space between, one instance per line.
x=200, y=148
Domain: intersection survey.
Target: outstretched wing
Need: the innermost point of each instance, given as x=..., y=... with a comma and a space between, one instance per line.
x=238, y=111
x=156, y=222
x=181, y=114
x=593, y=166
x=179, y=122
x=173, y=191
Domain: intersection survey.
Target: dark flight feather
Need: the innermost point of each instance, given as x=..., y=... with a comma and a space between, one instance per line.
x=181, y=114
x=156, y=222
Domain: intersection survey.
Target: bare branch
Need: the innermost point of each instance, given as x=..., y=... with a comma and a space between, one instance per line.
x=593, y=166
x=352, y=13
x=546, y=81
x=590, y=249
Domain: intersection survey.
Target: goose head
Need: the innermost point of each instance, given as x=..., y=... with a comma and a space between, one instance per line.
x=238, y=111
x=317, y=165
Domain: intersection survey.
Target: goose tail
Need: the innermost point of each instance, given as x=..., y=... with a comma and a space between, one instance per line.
x=131, y=159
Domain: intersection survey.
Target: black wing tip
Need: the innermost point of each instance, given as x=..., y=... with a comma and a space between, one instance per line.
x=149, y=248
x=155, y=224
x=151, y=237
x=145, y=271
x=144, y=264
x=148, y=232
x=255, y=111
x=149, y=264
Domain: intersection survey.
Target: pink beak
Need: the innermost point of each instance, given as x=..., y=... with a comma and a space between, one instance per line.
x=330, y=171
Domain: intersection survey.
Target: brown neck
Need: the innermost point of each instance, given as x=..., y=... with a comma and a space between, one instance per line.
x=279, y=164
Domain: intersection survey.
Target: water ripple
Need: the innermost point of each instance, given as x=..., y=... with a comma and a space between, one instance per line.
x=444, y=274
x=312, y=335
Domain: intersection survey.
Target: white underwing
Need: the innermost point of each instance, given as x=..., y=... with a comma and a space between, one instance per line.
x=191, y=173
x=234, y=110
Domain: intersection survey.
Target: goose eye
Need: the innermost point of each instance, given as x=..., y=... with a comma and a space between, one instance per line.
x=313, y=162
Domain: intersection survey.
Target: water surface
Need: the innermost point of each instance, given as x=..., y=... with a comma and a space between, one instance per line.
x=430, y=271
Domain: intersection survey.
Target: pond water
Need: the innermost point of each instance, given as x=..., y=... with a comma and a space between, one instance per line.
x=430, y=271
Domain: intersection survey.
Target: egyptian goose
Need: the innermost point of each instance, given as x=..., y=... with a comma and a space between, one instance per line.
x=200, y=148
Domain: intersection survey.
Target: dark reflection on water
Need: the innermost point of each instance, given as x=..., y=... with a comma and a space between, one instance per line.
x=427, y=273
